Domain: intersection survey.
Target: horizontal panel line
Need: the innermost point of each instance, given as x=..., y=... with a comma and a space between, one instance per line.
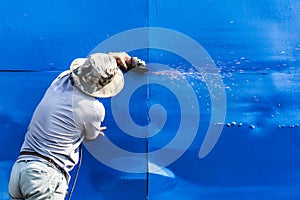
x=26, y=70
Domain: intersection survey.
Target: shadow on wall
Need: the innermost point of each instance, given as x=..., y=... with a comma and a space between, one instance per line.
x=5, y=167
x=14, y=135
x=14, y=132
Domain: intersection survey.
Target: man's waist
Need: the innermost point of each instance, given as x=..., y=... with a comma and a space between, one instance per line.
x=49, y=160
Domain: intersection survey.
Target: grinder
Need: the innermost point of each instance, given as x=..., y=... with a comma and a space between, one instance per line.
x=138, y=64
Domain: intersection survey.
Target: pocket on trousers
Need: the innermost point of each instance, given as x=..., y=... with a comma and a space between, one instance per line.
x=59, y=187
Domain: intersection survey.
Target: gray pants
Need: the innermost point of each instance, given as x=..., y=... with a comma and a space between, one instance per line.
x=36, y=180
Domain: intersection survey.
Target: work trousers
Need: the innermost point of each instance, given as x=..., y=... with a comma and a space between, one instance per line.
x=36, y=180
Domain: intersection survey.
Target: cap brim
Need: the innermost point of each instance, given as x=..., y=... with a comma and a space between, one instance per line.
x=112, y=88
x=77, y=63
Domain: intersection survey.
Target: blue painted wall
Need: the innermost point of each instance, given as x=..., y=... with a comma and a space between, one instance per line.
x=255, y=46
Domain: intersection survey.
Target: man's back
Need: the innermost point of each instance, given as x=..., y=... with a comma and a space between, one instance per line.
x=62, y=119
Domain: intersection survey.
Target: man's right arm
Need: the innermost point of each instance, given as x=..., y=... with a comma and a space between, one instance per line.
x=93, y=120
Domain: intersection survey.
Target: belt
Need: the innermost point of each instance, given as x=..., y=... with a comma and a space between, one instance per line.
x=47, y=159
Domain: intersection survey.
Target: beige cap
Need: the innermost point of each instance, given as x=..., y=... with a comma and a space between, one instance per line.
x=97, y=76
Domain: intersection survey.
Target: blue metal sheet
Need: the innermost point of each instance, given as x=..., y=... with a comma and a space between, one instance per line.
x=252, y=49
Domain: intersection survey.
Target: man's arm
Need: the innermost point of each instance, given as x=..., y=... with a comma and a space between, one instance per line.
x=127, y=62
x=100, y=133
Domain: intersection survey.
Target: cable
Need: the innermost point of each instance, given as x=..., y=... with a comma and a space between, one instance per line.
x=77, y=171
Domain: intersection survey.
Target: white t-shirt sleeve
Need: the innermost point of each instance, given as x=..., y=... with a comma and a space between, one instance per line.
x=96, y=117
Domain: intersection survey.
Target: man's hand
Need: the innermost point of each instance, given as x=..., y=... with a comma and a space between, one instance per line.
x=122, y=58
x=101, y=130
x=127, y=62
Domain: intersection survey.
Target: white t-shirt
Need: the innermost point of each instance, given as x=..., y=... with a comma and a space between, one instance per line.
x=62, y=120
